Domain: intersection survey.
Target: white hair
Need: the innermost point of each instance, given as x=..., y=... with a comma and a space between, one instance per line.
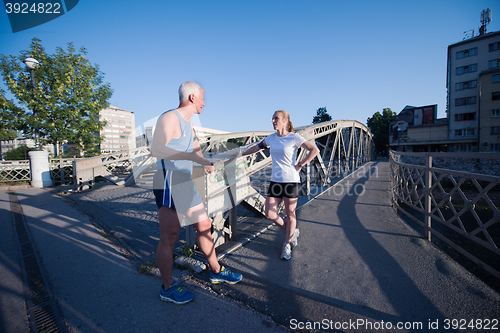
x=187, y=88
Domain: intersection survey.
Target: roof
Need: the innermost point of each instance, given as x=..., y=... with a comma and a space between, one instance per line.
x=475, y=39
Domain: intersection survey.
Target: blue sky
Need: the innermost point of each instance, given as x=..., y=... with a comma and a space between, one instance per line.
x=254, y=57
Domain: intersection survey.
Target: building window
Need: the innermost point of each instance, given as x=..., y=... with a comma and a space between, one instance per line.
x=495, y=79
x=465, y=116
x=495, y=147
x=466, y=69
x=466, y=85
x=495, y=113
x=494, y=46
x=494, y=63
x=467, y=53
x=465, y=101
x=495, y=130
x=495, y=96
x=465, y=132
x=463, y=148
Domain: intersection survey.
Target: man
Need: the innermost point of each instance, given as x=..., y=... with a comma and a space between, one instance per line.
x=176, y=147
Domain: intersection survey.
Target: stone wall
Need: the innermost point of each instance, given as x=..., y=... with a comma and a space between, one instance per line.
x=486, y=166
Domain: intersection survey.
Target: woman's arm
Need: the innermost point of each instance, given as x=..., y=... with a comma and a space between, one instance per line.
x=313, y=151
x=253, y=149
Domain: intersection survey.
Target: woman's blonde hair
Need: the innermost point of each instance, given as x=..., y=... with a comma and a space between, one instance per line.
x=286, y=115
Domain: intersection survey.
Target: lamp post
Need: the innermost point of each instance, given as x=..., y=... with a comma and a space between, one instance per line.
x=32, y=64
x=39, y=159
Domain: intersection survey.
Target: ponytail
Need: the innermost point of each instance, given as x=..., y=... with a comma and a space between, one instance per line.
x=287, y=116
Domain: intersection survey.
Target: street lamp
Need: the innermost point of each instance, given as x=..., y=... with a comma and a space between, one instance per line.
x=32, y=65
x=39, y=159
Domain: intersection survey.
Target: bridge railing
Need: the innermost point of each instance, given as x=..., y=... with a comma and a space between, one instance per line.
x=12, y=172
x=61, y=170
x=118, y=168
x=458, y=208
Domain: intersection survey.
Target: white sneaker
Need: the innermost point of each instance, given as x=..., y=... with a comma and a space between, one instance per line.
x=286, y=253
x=293, y=241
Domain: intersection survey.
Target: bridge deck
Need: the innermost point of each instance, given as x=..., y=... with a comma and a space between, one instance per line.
x=357, y=260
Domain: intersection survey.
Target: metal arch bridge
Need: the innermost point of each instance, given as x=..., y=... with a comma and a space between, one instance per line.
x=344, y=146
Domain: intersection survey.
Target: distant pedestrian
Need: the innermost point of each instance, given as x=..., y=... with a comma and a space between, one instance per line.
x=176, y=147
x=285, y=179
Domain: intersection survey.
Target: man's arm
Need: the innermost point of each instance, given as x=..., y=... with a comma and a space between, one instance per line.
x=196, y=143
x=168, y=128
x=209, y=168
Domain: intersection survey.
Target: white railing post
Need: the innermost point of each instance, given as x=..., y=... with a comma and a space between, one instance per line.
x=427, y=196
x=62, y=170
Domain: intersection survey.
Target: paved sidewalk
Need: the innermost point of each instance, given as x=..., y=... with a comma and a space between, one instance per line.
x=12, y=305
x=96, y=287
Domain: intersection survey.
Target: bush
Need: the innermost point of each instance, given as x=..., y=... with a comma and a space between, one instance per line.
x=20, y=153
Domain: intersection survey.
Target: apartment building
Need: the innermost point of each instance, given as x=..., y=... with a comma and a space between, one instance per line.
x=473, y=85
x=417, y=129
x=146, y=138
x=489, y=108
x=119, y=132
x=10, y=144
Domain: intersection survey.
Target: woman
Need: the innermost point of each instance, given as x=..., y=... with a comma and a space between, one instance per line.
x=285, y=179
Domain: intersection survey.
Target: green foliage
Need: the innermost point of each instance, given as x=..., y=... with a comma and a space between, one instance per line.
x=17, y=154
x=188, y=252
x=7, y=127
x=68, y=96
x=234, y=143
x=379, y=126
x=321, y=116
x=5, y=132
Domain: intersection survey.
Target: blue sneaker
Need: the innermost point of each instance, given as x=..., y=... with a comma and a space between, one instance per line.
x=176, y=294
x=225, y=275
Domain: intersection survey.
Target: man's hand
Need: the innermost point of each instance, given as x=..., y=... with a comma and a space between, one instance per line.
x=208, y=169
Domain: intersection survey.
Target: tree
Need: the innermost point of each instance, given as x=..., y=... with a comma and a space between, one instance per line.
x=7, y=128
x=19, y=153
x=6, y=133
x=68, y=96
x=321, y=116
x=379, y=126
